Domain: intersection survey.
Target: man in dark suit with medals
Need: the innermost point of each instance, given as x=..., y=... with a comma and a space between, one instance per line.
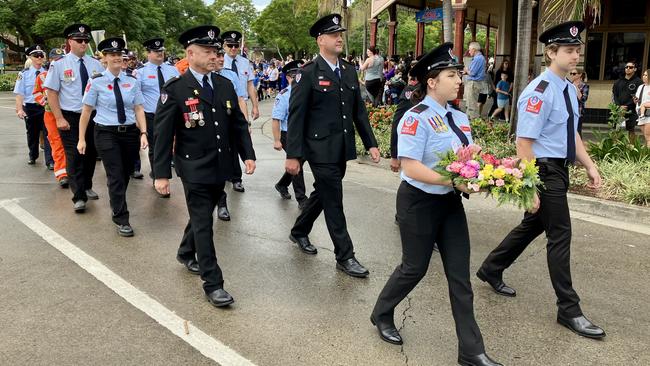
x=200, y=109
x=325, y=108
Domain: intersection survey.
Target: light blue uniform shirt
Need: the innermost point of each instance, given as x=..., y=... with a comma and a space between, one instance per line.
x=199, y=78
x=244, y=70
x=331, y=65
x=234, y=79
x=101, y=96
x=543, y=115
x=281, y=108
x=63, y=77
x=423, y=136
x=147, y=77
x=25, y=84
x=477, y=67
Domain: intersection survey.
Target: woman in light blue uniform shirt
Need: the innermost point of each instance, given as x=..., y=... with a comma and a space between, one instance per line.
x=429, y=207
x=120, y=126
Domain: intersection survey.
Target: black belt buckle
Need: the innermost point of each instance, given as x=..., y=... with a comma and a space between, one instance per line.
x=121, y=128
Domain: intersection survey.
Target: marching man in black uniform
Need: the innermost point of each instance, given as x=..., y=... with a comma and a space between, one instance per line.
x=547, y=132
x=324, y=110
x=200, y=109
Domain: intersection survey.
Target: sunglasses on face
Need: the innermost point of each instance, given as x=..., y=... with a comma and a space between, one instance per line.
x=232, y=45
x=630, y=67
x=573, y=73
x=38, y=55
x=81, y=40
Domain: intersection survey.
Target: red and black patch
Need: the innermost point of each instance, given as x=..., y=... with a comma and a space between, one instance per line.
x=541, y=87
x=420, y=108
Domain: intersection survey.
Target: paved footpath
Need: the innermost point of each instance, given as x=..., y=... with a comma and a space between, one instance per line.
x=73, y=292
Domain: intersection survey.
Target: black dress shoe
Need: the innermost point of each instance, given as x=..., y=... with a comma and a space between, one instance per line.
x=50, y=166
x=284, y=191
x=92, y=195
x=125, y=230
x=79, y=206
x=497, y=284
x=31, y=162
x=304, y=244
x=223, y=214
x=387, y=331
x=137, y=175
x=238, y=186
x=64, y=182
x=582, y=326
x=352, y=267
x=191, y=264
x=477, y=360
x=219, y=298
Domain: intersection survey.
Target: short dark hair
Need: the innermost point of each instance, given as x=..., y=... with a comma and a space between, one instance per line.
x=373, y=49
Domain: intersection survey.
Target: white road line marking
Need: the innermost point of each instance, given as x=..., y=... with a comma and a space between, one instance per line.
x=208, y=346
x=7, y=107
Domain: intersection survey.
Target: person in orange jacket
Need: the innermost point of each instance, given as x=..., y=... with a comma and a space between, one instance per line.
x=182, y=65
x=58, y=154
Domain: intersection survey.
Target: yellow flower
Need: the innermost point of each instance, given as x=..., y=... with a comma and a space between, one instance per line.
x=499, y=173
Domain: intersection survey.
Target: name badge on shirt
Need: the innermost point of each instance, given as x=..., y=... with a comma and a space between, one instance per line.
x=151, y=76
x=68, y=75
x=324, y=83
x=465, y=128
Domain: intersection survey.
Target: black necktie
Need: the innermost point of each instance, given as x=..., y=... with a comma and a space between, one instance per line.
x=119, y=102
x=463, y=139
x=337, y=71
x=38, y=72
x=570, y=132
x=161, y=78
x=83, y=72
x=207, y=89
x=234, y=66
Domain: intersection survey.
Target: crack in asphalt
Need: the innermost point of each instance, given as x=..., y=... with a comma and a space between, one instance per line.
x=402, y=351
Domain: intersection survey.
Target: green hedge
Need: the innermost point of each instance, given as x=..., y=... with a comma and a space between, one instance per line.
x=7, y=82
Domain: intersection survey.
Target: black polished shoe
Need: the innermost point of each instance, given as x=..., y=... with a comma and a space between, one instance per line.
x=497, y=284
x=477, y=360
x=582, y=326
x=31, y=162
x=352, y=267
x=79, y=206
x=304, y=244
x=219, y=298
x=238, y=186
x=50, y=166
x=125, y=230
x=223, y=214
x=137, y=175
x=284, y=192
x=191, y=264
x=64, y=182
x=387, y=331
x=92, y=195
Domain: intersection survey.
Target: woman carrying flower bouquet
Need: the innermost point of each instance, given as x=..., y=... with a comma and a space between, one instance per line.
x=429, y=207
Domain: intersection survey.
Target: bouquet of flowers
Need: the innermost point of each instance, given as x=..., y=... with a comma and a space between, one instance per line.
x=508, y=180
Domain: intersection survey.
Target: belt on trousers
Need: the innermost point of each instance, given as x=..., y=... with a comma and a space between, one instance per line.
x=120, y=128
x=558, y=161
x=149, y=114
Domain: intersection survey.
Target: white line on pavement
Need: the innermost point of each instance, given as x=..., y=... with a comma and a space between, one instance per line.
x=208, y=346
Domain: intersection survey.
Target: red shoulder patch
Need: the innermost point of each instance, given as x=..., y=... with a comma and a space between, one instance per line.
x=534, y=105
x=410, y=126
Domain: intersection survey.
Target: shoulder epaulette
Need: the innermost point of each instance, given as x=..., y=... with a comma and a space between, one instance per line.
x=95, y=76
x=308, y=63
x=420, y=108
x=284, y=91
x=141, y=66
x=131, y=75
x=171, y=81
x=221, y=76
x=25, y=69
x=543, y=84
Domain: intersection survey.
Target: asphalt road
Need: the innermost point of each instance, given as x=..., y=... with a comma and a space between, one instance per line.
x=74, y=292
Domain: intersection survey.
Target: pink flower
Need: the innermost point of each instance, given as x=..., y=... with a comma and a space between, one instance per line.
x=490, y=159
x=474, y=187
x=517, y=173
x=468, y=172
x=474, y=164
x=500, y=183
x=491, y=182
x=455, y=167
x=509, y=162
x=509, y=171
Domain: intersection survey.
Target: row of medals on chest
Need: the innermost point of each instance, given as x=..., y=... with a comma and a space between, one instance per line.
x=195, y=117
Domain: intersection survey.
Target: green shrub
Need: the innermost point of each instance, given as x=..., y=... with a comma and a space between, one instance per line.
x=615, y=144
x=623, y=180
x=7, y=82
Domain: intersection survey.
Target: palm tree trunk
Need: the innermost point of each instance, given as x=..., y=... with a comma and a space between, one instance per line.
x=522, y=60
x=447, y=21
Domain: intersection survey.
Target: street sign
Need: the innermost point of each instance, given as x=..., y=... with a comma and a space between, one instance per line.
x=428, y=15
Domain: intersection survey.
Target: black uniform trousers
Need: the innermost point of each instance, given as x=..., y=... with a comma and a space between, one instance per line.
x=34, y=125
x=198, y=239
x=118, y=146
x=327, y=196
x=425, y=219
x=552, y=218
x=297, y=180
x=80, y=168
x=150, y=137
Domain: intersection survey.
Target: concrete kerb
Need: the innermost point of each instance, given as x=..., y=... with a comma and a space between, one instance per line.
x=589, y=205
